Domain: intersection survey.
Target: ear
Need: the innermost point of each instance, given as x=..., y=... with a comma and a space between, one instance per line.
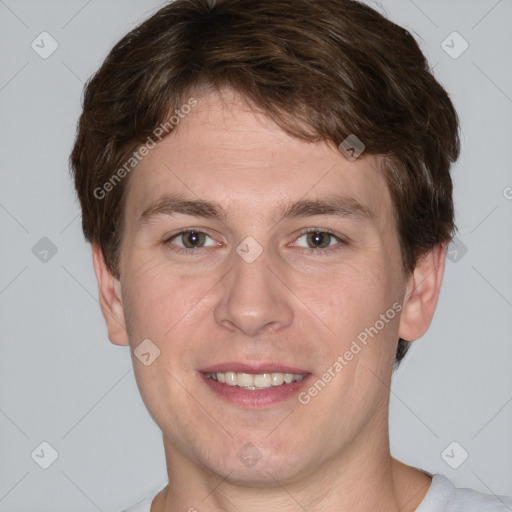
x=110, y=299
x=422, y=293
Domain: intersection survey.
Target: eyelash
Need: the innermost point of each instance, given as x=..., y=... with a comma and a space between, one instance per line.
x=311, y=250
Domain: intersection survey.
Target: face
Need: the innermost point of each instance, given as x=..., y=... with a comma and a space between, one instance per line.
x=248, y=251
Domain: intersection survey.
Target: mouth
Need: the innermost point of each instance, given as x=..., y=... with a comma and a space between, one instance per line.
x=255, y=381
x=252, y=386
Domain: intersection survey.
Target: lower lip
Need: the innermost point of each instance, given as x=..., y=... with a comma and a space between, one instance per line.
x=257, y=398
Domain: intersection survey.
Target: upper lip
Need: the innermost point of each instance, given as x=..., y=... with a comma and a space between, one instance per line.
x=256, y=368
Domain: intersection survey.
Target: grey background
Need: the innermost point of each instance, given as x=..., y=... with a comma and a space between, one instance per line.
x=63, y=382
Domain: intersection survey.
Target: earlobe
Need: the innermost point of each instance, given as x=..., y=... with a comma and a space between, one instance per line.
x=110, y=299
x=422, y=293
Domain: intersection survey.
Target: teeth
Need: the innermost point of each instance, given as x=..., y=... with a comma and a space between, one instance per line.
x=263, y=380
x=254, y=381
x=244, y=380
x=230, y=378
x=277, y=379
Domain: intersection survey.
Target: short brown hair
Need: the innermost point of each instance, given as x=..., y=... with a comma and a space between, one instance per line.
x=321, y=69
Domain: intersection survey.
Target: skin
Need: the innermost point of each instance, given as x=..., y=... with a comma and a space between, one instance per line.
x=294, y=304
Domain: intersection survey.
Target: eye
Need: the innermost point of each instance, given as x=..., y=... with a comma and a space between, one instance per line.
x=318, y=239
x=190, y=239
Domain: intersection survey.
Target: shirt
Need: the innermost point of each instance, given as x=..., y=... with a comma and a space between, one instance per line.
x=442, y=496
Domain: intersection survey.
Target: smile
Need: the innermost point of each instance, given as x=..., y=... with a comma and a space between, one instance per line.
x=253, y=381
x=259, y=389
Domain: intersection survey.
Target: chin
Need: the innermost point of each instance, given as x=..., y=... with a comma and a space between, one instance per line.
x=256, y=464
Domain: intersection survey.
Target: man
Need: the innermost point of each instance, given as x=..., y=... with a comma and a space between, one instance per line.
x=267, y=193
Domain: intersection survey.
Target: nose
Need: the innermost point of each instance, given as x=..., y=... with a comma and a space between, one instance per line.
x=253, y=301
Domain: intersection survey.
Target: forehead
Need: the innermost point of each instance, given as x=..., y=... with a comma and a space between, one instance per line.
x=227, y=151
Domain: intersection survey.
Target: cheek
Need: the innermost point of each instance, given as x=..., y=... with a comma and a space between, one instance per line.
x=358, y=295
x=151, y=300
x=162, y=301
x=157, y=302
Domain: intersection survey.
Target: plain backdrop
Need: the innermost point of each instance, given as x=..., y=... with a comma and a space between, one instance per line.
x=63, y=383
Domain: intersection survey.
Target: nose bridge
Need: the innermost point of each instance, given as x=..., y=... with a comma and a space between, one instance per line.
x=252, y=299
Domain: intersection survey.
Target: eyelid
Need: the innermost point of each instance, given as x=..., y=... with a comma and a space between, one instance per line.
x=168, y=238
x=341, y=240
x=310, y=250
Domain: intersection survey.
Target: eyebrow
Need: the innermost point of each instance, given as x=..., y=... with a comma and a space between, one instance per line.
x=336, y=205
x=339, y=205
